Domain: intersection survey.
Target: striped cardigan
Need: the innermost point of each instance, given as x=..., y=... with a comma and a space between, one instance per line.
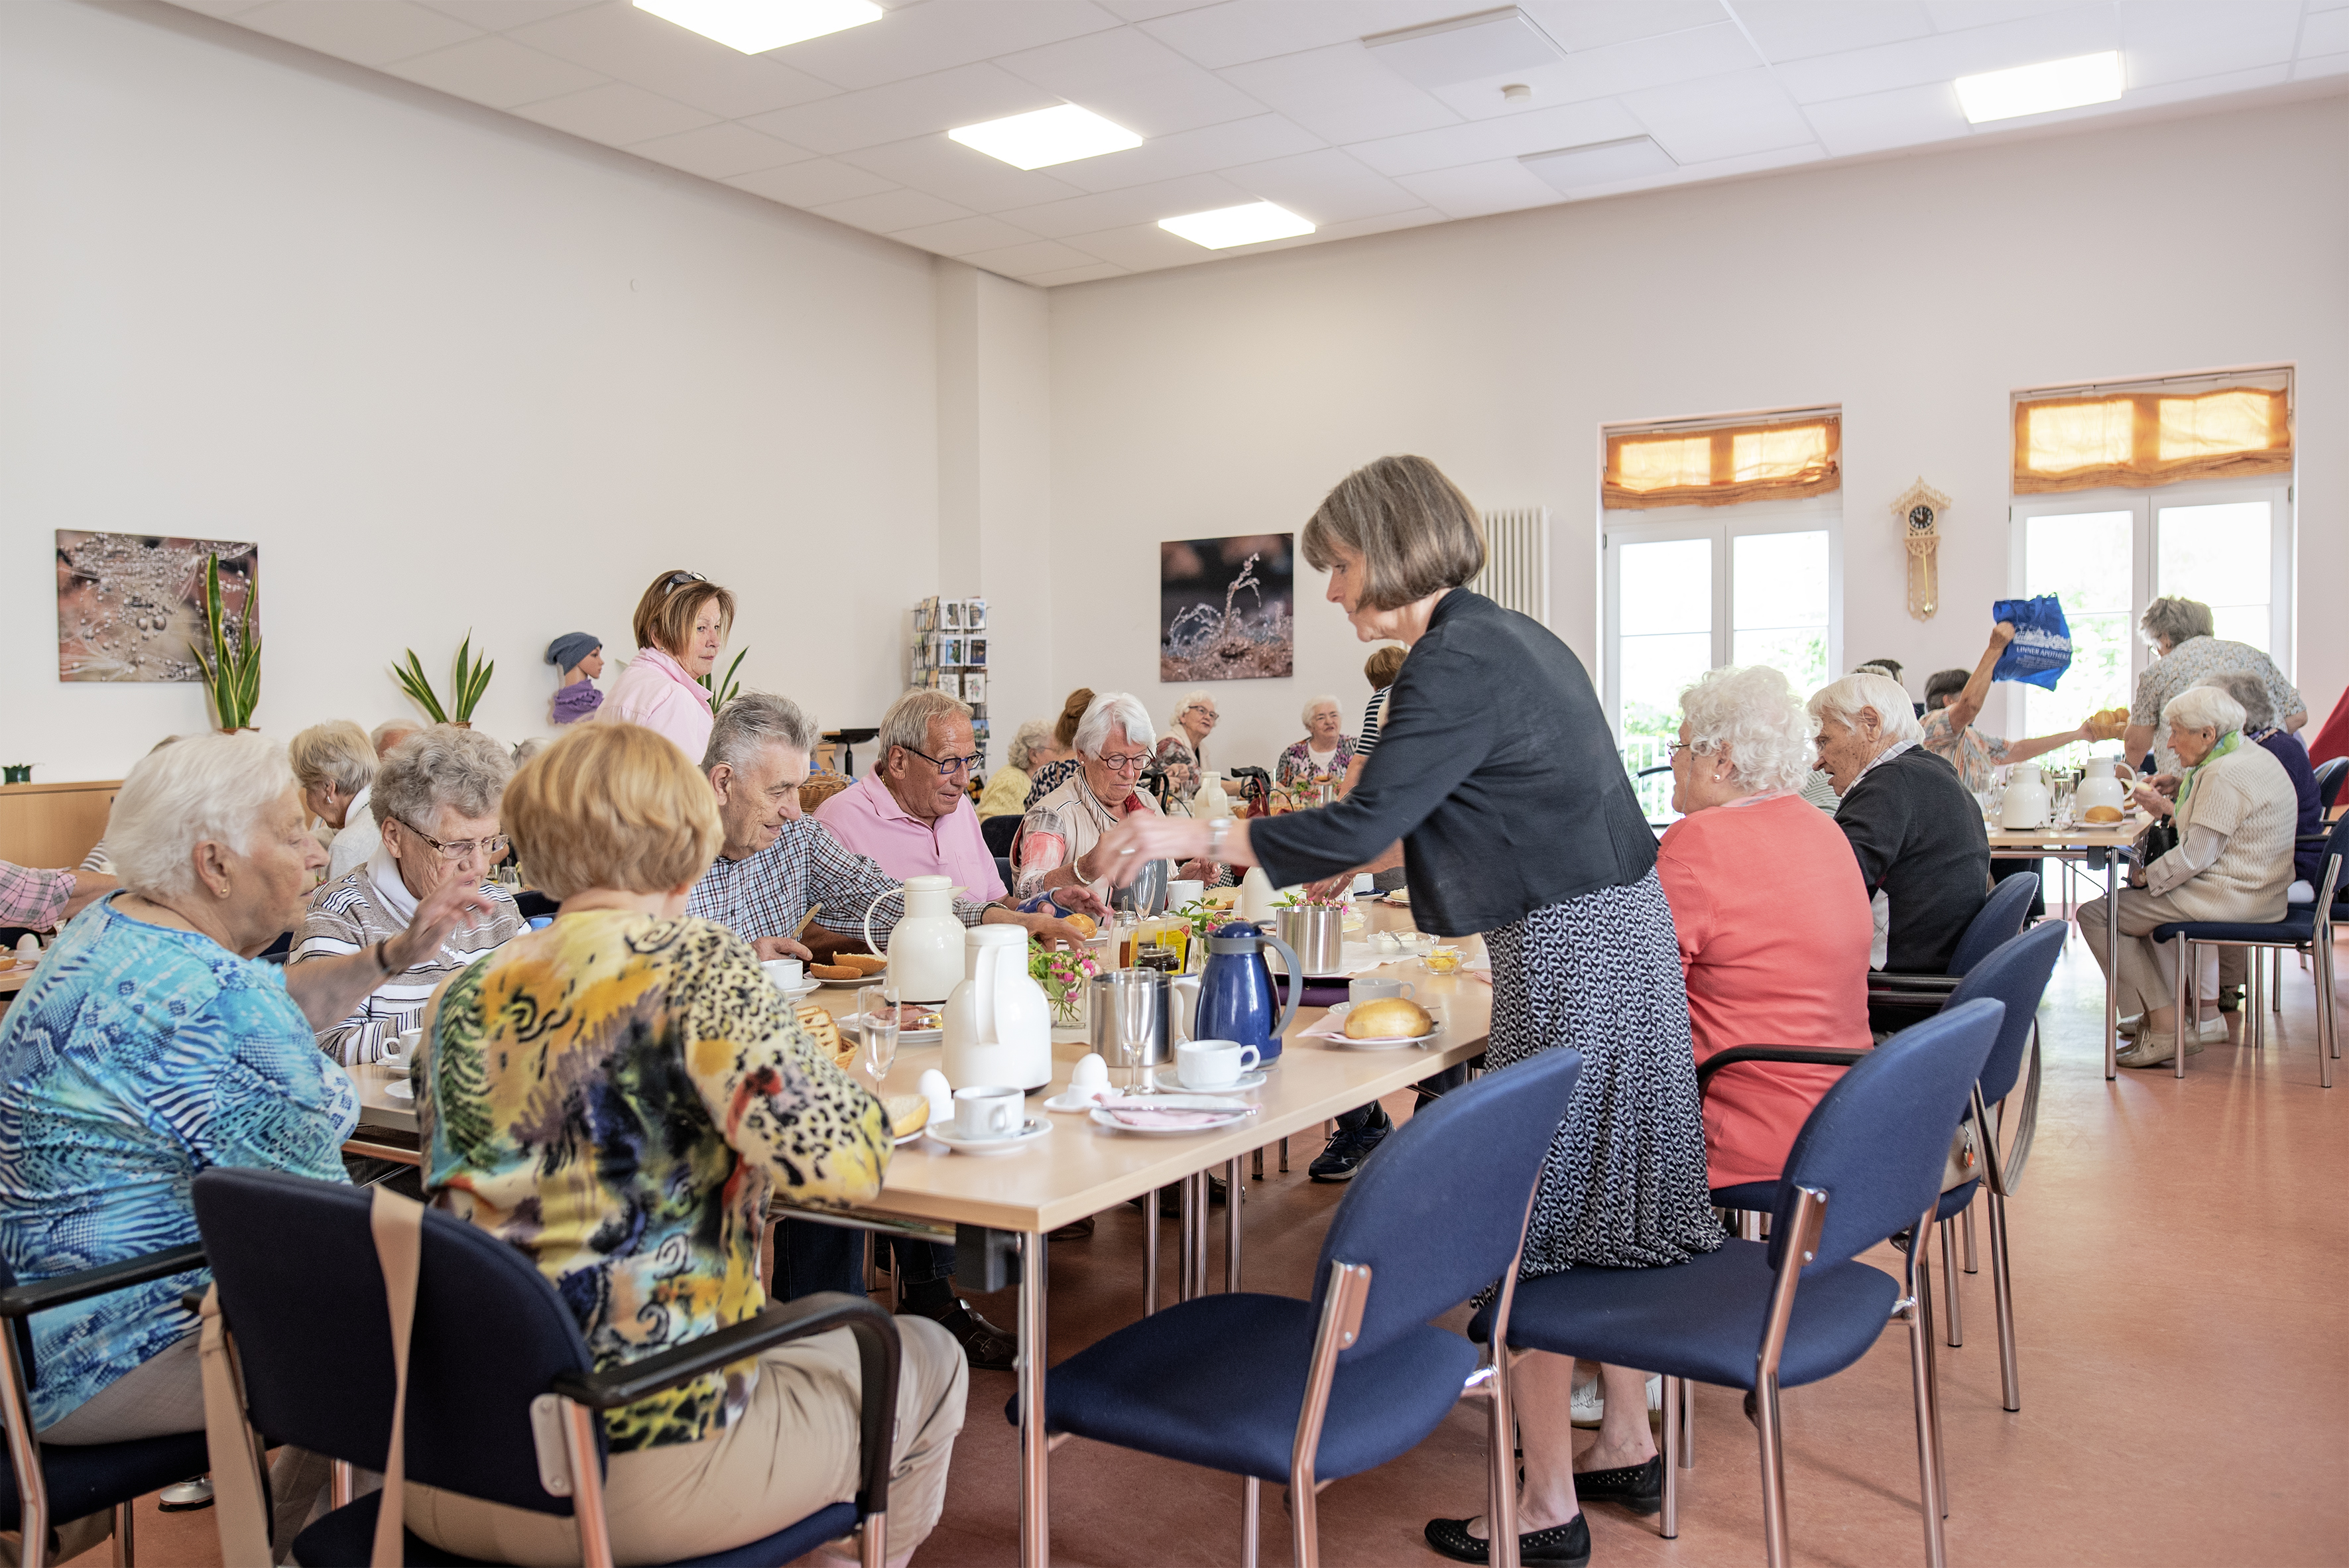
x=353, y=912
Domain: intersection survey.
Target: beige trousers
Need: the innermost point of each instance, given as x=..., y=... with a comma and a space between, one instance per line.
x=2147, y=977
x=793, y=1451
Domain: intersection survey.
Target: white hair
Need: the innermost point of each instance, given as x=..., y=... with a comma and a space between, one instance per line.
x=1197, y=696
x=907, y=722
x=1114, y=710
x=462, y=770
x=1842, y=701
x=1305, y=717
x=1021, y=752
x=391, y=732
x=2203, y=707
x=208, y=788
x=1753, y=712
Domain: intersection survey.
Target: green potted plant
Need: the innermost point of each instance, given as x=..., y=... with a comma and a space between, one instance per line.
x=230, y=662
x=728, y=689
x=467, y=681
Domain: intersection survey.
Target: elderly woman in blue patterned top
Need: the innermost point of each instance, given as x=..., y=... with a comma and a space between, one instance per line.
x=150, y=1046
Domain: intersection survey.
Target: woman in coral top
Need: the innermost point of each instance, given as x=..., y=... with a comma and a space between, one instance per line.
x=1771, y=911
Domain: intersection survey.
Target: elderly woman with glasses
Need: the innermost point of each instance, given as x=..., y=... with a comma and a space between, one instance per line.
x=435, y=802
x=1182, y=752
x=681, y=622
x=1322, y=757
x=1060, y=845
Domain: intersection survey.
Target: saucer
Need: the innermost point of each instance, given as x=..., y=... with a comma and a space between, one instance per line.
x=1071, y=1099
x=806, y=987
x=1252, y=1079
x=1034, y=1128
x=399, y=1088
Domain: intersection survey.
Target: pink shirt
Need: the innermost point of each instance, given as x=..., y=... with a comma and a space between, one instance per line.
x=656, y=692
x=867, y=818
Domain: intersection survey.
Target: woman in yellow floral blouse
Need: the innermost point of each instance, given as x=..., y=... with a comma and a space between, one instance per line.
x=618, y=1096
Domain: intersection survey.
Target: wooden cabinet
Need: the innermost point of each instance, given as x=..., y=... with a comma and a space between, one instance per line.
x=54, y=825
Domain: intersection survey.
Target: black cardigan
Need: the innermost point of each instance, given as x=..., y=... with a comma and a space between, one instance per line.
x=1496, y=768
x=1919, y=840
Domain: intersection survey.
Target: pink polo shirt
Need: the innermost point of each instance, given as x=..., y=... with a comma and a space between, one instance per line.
x=867, y=818
x=656, y=692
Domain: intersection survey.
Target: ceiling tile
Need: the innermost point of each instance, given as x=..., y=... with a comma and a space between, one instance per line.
x=921, y=40
x=370, y=34
x=1325, y=186
x=1472, y=48
x=1200, y=151
x=1797, y=29
x=1127, y=76
x=1117, y=209
x=891, y=211
x=720, y=152
x=494, y=71
x=1595, y=24
x=1488, y=140
x=632, y=45
x=964, y=96
x=2242, y=81
x=1036, y=256
x=1955, y=15
x=1144, y=10
x=218, y=7
x=1504, y=185
x=2320, y=66
x=2167, y=41
x=615, y=114
x=1638, y=62
x=812, y=183
x=961, y=237
x=1901, y=117
x=1913, y=62
x=1140, y=247
x=1073, y=275
x=1340, y=94
x=944, y=167
x=497, y=16
x=1721, y=117
x=2324, y=33
x=1240, y=30
x=1384, y=223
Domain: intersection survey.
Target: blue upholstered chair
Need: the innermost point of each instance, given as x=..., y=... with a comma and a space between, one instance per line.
x=1273, y=1389
x=2329, y=773
x=2304, y=926
x=44, y=1485
x=502, y=1395
x=1795, y=1309
x=2000, y=916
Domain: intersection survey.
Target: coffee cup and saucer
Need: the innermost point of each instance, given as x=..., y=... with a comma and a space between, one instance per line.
x=991, y=1121
x=1217, y=1066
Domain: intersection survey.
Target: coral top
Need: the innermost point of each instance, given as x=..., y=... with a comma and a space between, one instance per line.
x=1773, y=931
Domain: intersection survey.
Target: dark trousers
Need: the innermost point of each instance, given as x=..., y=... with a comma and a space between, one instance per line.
x=811, y=1256
x=1999, y=869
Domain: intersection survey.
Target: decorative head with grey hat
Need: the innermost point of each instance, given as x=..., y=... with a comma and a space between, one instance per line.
x=580, y=658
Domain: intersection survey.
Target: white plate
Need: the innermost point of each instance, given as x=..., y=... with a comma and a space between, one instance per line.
x=399, y=1088
x=1253, y=1078
x=804, y=988
x=1383, y=1042
x=851, y=985
x=850, y=1025
x=1034, y=1128
x=1240, y=1110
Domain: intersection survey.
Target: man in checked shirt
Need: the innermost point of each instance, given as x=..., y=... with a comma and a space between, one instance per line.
x=773, y=867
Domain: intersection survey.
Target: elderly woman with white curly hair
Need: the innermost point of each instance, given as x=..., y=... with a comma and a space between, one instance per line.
x=2237, y=812
x=1060, y=843
x=150, y=1046
x=435, y=805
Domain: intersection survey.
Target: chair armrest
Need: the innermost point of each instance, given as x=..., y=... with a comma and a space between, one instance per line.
x=23, y=1300
x=1813, y=1055
x=1894, y=982
x=878, y=1353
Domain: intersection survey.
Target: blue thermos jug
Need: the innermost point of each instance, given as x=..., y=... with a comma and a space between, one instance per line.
x=1236, y=996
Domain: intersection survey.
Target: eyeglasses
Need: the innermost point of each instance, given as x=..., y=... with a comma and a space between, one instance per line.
x=1134, y=764
x=677, y=580
x=456, y=849
x=1673, y=749
x=946, y=765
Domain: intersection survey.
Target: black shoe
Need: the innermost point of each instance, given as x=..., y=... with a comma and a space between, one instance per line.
x=988, y=1347
x=1640, y=1488
x=1568, y=1543
x=1076, y=1230
x=1344, y=1153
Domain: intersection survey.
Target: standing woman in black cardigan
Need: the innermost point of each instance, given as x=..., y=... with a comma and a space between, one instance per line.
x=1497, y=770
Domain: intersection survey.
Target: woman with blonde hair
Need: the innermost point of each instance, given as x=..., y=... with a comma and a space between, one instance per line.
x=618, y=1097
x=681, y=624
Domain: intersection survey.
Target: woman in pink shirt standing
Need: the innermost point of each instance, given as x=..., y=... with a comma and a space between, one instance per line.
x=681, y=622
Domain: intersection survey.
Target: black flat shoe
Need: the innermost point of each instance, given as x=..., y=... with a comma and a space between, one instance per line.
x=988, y=1347
x=1640, y=1488
x=1568, y=1543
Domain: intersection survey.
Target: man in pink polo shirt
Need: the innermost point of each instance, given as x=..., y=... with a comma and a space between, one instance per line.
x=911, y=813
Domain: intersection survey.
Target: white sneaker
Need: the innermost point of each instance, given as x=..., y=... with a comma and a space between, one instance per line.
x=1591, y=1400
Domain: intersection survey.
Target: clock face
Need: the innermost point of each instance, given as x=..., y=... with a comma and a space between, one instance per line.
x=1920, y=517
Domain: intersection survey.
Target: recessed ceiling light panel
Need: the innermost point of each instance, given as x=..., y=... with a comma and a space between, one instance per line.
x=1500, y=43
x=2042, y=88
x=1044, y=137
x=754, y=27
x=1572, y=169
x=1225, y=227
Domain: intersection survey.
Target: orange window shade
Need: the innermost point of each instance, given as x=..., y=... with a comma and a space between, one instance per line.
x=1763, y=460
x=2139, y=439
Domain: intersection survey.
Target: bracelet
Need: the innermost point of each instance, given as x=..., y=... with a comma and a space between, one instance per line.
x=1218, y=831
x=1077, y=869
x=382, y=963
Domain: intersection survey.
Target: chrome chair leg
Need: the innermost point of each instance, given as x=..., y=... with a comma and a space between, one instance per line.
x=1688, y=1424
x=125, y=1548
x=2001, y=1285
x=1150, y=1252
x=1284, y=1154
x=2180, y=994
x=1251, y=1511
x=1775, y=1546
x=1256, y=1168
x=1932, y=1374
x=1670, y=1525
x=1973, y=1265
x=1928, y=1448
x=1957, y=1330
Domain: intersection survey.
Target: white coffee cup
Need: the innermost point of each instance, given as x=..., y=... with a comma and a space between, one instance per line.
x=1214, y=1064
x=989, y=1112
x=784, y=973
x=402, y=1054
x=1185, y=893
x=1371, y=987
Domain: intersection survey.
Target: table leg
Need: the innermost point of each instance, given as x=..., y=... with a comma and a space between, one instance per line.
x=1232, y=1225
x=1035, y=1452
x=1150, y=1252
x=1184, y=1199
x=1202, y=1201
x=2113, y=963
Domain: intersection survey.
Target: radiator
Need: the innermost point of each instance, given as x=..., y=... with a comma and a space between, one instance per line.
x=1516, y=560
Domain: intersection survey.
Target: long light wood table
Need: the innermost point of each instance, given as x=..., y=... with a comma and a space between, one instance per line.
x=2086, y=842
x=1080, y=1170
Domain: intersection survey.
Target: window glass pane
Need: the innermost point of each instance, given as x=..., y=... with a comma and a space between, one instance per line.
x=2220, y=555
x=2083, y=559
x=1780, y=614
x=1664, y=617
x=1664, y=587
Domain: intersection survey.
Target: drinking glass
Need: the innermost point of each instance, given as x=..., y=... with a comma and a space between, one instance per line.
x=877, y=1021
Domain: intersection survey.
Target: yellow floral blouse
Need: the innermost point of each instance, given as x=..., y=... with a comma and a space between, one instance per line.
x=618, y=1096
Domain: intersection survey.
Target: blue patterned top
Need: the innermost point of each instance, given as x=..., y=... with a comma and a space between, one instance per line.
x=136, y=1056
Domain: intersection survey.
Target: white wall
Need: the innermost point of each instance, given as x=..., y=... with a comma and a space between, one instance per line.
x=1916, y=292
x=451, y=369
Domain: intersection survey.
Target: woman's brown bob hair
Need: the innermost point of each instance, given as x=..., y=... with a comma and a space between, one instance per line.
x=612, y=806
x=1064, y=732
x=665, y=616
x=1416, y=533
x=1381, y=667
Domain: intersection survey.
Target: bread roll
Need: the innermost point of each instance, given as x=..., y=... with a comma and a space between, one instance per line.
x=1387, y=1019
x=2103, y=814
x=835, y=972
x=907, y=1113
x=862, y=963
x=1083, y=923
